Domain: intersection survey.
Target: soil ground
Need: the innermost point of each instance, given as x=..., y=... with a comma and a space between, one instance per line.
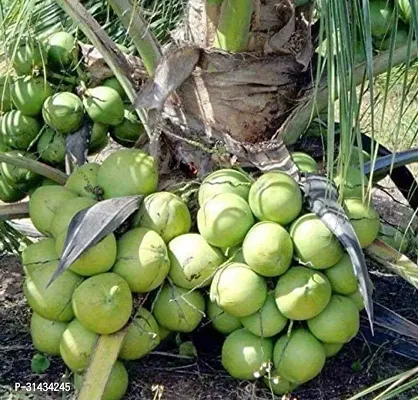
x=166, y=376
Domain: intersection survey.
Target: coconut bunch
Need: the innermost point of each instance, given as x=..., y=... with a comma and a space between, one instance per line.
x=44, y=100
x=265, y=272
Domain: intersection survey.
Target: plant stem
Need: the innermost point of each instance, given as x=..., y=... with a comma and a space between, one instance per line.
x=212, y=11
x=234, y=25
x=138, y=29
x=35, y=166
x=14, y=211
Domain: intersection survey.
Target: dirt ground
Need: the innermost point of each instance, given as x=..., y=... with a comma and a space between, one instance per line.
x=167, y=377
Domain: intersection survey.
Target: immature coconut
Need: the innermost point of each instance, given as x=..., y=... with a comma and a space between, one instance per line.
x=224, y=181
x=10, y=193
x=27, y=54
x=331, y=349
x=224, y=220
x=29, y=94
x=142, y=336
x=342, y=277
x=382, y=17
x=351, y=183
x=83, y=181
x=116, y=386
x=178, y=309
x=193, y=261
x=103, y=303
x=62, y=50
x=129, y=130
x=365, y=220
x=338, y=323
x=246, y=356
x=63, y=112
x=315, y=245
x=52, y=302
x=5, y=93
x=400, y=39
x=268, y=321
x=77, y=345
x=278, y=385
x=67, y=211
x=357, y=299
x=128, y=172
x=103, y=104
x=276, y=197
x=301, y=293
x=99, y=138
x=222, y=321
x=304, y=162
x=300, y=357
x=51, y=147
x=97, y=260
x=142, y=259
x=396, y=237
x=38, y=254
x=268, y=249
x=238, y=290
x=164, y=333
x=164, y=213
x=113, y=83
x=18, y=130
x=46, y=334
x=44, y=203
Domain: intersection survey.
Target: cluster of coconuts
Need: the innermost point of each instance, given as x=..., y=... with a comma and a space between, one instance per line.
x=269, y=276
x=36, y=113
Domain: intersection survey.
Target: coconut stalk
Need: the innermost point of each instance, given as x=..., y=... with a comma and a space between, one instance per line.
x=14, y=211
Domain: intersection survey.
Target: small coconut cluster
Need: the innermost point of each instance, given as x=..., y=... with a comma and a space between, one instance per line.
x=268, y=274
x=41, y=102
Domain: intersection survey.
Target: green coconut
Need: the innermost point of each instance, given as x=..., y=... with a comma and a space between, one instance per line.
x=352, y=183
x=142, y=336
x=359, y=53
x=128, y=172
x=278, y=385
x=301, y=293
x=27, y=54
x=342, y=277
x=246, y=356
x=142, y=259
x=331, y=349
x=38, y=254
x=238, y=290
x=224, y=181
x=357, y=299
x=52, y=302
x=116, y=386
x=401, y=39
x=396, y=237
x=29, y=93
x=83, y=181
x=44, y=203
x=268, y=249
x=18, y=130
x=19, y=177
x=62, y=51
x=268, y=321
x=224, y=220
x=103, y=303
x=66, y=212
x=63, y=112
x=193, y=261
x=51, y=147
x=5, y=94
x=46, y=334
x=304, y=162
x=76, y=346
x=338, y=323
x=365, y=220
x=97, y=260
x=104, y=105
x=99, y=138
x=222, y=321
x=234, y=254
x=164, y=213
x=382, y=17
x=10, y=193
x=164, y=333
x=129, y=130
x=276, y=197
x=113, y=83
x=178, y=309
x=315, y=245
x=300, y=357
